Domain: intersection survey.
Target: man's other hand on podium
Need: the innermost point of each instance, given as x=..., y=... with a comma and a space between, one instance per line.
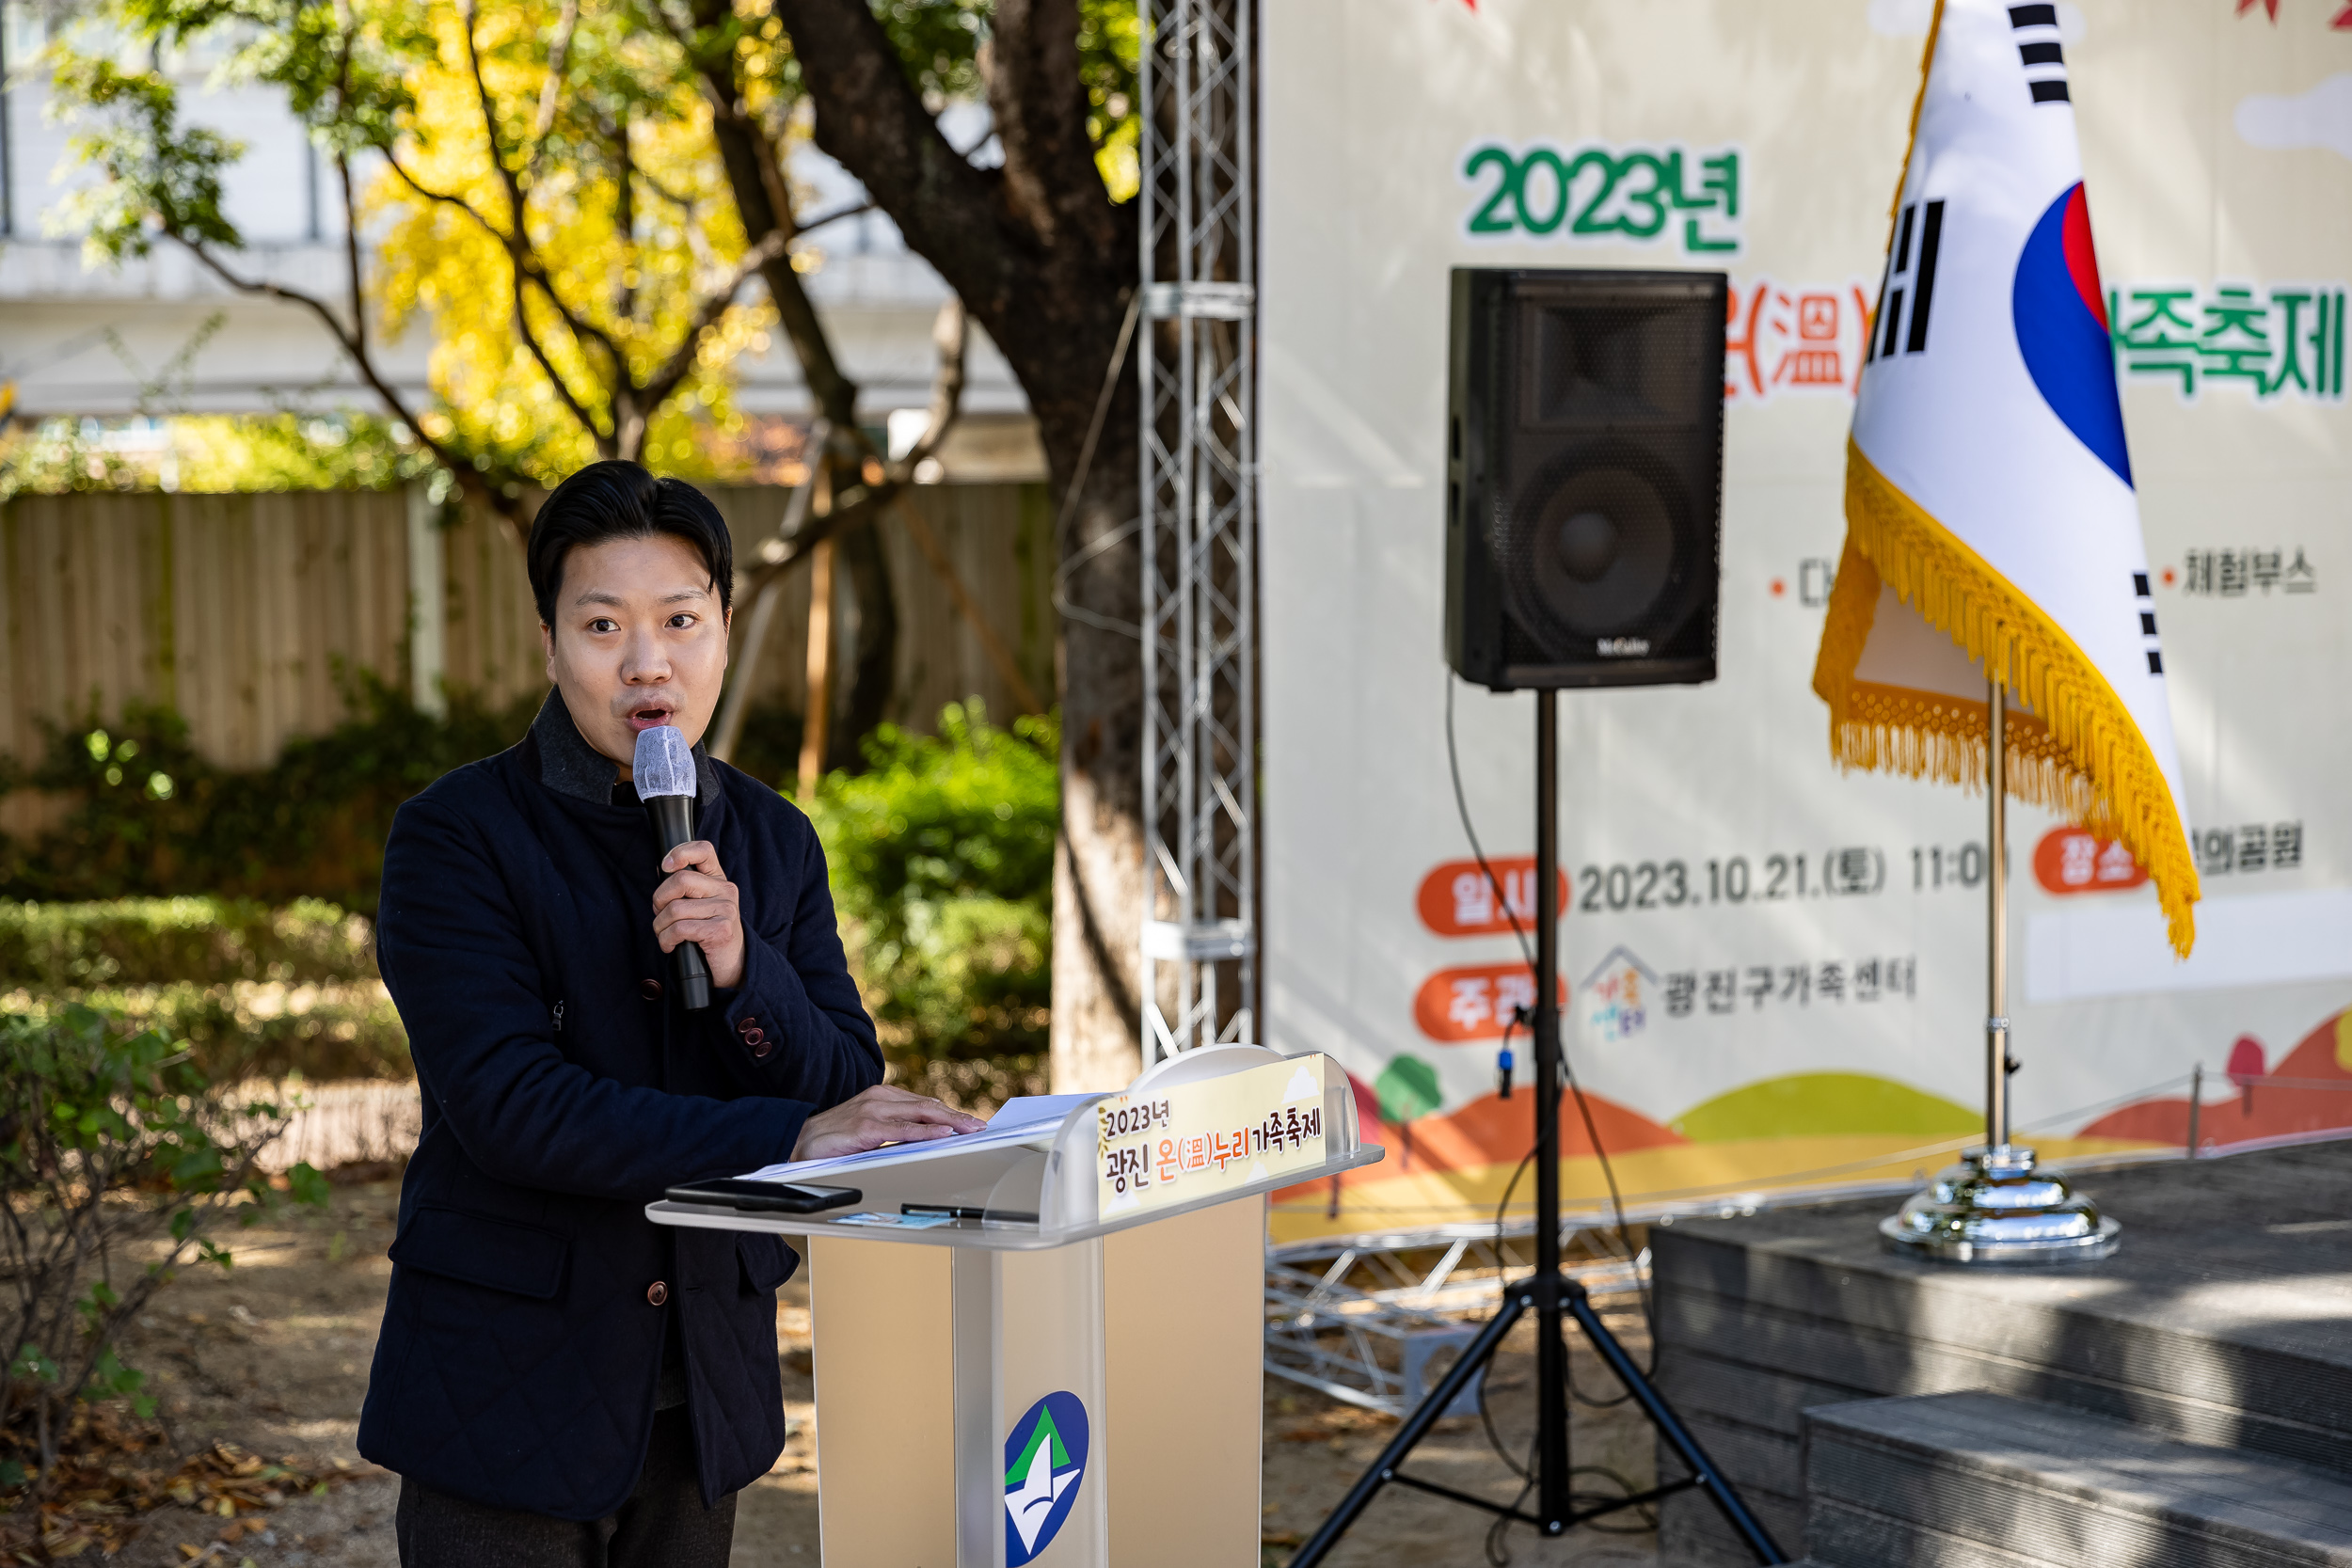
x=884, y=1113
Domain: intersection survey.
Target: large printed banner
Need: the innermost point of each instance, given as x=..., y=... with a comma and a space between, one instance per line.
x=1774, y=971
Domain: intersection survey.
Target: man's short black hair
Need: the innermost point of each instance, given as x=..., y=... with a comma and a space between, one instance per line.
x=617, y=500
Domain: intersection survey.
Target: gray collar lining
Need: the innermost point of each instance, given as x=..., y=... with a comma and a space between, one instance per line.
x=569, y=766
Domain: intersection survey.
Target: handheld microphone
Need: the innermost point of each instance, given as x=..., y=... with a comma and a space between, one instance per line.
x=664, y=776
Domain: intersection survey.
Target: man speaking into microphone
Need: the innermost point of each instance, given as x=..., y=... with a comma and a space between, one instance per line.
x=559, y=1381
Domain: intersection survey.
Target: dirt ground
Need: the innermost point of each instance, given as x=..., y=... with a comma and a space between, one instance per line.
x=273, y=1355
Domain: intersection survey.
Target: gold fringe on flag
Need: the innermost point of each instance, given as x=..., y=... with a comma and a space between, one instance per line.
x=2076, y=753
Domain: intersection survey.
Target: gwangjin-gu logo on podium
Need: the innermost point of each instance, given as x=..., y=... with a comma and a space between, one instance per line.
x=1045, y=1457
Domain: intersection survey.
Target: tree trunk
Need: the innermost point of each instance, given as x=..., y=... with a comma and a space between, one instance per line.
x=874, y=657
x=1098, y=863
x=1046, y=263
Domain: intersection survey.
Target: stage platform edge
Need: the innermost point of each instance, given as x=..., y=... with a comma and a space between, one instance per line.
x=2221, y=1321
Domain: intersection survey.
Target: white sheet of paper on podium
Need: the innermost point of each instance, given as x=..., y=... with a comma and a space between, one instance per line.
x=1108, y=1302
x=1027, y=1116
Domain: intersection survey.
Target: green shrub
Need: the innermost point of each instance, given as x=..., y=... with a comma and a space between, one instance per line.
x=254, y=1028
x=118, y=1161
x=150, y=818
x=941, y=859
x=769, y=746
x=218, y=453
x=150, y=942
x=253, y=991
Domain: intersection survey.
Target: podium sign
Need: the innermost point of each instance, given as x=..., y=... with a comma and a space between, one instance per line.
x=1161, y=1148
x=1070, y=1374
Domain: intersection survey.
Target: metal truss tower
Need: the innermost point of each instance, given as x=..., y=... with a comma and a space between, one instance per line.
x=1198, y=364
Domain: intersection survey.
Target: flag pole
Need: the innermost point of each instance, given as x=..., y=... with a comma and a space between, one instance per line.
x=1994, y=1206
x=1996, y=931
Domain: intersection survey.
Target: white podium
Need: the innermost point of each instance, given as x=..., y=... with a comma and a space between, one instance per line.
x=1067, y=1372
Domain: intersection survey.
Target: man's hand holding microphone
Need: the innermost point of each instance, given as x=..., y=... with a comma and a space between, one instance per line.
x=696, y=905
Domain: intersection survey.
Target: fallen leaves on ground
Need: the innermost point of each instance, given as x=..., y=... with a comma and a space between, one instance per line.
x=99, y=1499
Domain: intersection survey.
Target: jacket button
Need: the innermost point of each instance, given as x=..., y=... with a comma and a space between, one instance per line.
x=650, y=989
x=762, y=1049
x=657, y=1293
x=748, y=1028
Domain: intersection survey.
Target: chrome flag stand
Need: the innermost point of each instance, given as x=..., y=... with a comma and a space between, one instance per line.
x=1994, y=1206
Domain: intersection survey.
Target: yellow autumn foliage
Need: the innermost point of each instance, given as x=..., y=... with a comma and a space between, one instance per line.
x=637, y=284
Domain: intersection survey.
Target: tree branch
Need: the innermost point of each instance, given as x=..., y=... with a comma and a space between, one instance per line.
x=429, y=193
x=861, y=507
x=803, y=230
x=829, y=386
x=355, y=345
x=531, y=340
x=515, y=239
x=1037, y=102
x=664, y=381
x=687, y=203
x=351, y=254
x=517, y=252
x=559, y=48
x=744, y=653
x=624, y=217
x=763, y=200
x=631, y=403
x=1053, y=299
x=469, y=14
x=949, y=337
x=518, y=246
x=723, y=91
x=870, y=119
x=343, y=337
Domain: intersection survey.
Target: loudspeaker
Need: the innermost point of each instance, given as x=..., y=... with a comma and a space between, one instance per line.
x=1585, y=448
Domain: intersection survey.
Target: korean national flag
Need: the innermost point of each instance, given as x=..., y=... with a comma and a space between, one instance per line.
x=1989, y=515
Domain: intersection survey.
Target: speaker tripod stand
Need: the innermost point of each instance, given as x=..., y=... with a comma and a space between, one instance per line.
x=1549, y=1293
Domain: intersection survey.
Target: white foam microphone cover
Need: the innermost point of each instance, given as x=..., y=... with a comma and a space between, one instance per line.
x=664, y=765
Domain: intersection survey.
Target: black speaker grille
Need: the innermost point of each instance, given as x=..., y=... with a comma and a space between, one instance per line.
x=1585, y=364
x=1603, y=453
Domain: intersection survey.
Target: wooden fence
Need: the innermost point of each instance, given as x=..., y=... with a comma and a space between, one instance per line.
x=237, y=610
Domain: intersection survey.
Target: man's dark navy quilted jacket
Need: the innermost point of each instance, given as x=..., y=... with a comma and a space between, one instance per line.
x=523, y=1342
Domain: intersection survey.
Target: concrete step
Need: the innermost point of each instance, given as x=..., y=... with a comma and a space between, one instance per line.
x=2220, y=1322
x=1984, y=1481
x=1699, y=1538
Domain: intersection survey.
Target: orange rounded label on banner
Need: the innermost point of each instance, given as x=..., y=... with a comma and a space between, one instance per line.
x=1474, y=1001
x=2072, y=859
x=1458, y=900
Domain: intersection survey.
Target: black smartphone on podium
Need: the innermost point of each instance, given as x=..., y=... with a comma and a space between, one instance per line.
x=778, y=1198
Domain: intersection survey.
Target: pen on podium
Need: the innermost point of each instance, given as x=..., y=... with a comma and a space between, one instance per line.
x=962, y=1211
